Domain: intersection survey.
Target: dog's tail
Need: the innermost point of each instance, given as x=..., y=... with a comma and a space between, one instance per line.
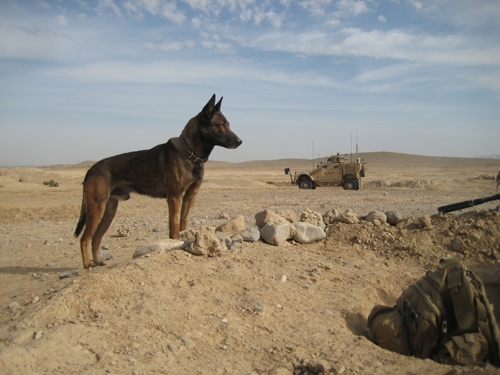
x=82, y=220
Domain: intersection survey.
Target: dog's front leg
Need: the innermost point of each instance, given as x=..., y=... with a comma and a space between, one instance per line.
x=188, y=203
x=174, y=216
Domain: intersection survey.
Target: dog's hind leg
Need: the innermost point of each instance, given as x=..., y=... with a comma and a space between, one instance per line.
x=107, y=218
x=94, y=215
x=96, y=198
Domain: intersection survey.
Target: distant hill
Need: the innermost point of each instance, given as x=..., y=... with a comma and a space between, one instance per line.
x=370, y=158
x=497, y=156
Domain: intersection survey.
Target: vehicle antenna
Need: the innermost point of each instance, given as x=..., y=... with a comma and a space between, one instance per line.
x=313, y=154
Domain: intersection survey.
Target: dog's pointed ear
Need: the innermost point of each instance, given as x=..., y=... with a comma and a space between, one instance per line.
x=217, y=106
x=208, y=110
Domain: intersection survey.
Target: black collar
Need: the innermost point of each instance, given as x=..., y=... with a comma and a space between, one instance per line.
x=190, y=154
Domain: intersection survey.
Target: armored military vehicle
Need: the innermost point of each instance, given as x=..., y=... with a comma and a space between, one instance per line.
x=337, y=171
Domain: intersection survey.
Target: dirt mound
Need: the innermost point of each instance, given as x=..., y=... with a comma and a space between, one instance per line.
x=258, y=308
x=412, y=184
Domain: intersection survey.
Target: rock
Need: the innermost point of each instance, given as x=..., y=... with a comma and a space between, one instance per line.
x=376, y=218
x=223, y=215
x=275, y=234
x=318, y=367
x=338, y=369
x=307, y=233
x=312, y=217
x=249, y=302
x=205, y=243
x=425, y=222
x=233, y=226
x=124, y=232
x=187, y=235
x=14, y=306
x=250, y=234
x=67, y=274
x=393, y=217
x=279, y=371
x=156, y=230
x=165, y=245
x=268, y=217
x=349, y=217
x=458, y=245
x=37, y=335
x=105, y=255
x=289, y=215
x=237, y=238
x=188, y=342
x=331, y=217
x=233, y=245
x=223, y=238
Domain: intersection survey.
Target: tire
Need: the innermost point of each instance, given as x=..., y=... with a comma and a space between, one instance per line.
x=305, y=184
x=350, y=185
x=362, y=173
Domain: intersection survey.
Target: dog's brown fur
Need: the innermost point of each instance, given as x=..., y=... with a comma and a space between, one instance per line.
x=173, y=170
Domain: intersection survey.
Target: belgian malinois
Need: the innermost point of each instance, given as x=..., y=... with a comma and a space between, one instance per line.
x=173, y=170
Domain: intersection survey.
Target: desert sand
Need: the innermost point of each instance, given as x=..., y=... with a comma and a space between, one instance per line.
x=258, y=309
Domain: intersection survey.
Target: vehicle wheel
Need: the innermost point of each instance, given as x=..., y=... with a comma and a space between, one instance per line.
x=305, y=184
x=350, y=185
x=362, y=173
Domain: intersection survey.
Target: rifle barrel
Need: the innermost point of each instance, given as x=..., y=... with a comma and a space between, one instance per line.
x=466, y=204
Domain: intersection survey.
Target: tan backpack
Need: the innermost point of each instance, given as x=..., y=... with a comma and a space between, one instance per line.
x=444, y=316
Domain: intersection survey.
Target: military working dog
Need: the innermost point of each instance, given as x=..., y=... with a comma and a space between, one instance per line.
x=173, y=170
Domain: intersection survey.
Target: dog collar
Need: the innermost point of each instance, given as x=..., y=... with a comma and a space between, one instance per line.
x=190, y=154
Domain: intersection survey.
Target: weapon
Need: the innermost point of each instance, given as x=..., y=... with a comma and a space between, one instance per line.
x=466, y=204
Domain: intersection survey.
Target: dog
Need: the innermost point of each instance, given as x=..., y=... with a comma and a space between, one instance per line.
x=173, y=170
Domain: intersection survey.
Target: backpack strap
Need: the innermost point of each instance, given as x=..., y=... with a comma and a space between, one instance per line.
x=462, y=297
x=486, y=320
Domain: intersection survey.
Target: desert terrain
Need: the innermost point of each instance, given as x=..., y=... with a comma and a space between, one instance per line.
x=256, y=309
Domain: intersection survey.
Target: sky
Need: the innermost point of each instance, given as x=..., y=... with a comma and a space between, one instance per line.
x=87, y=79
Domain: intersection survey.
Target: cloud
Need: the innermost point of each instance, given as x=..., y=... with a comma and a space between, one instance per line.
x=315, y=7
x=170, y=12
x=188, y=72
x=62, y=20
x=273, y=18
x=170, y=46
x=33, y=42
x=417, y=4
x=107, y=5
x=43, y=4
x=352, y=7
x=392, y=44
x=382, y=19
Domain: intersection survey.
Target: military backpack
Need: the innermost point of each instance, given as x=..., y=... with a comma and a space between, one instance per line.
x=444, y=316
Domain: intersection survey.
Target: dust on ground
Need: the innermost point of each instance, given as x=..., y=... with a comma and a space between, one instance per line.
x=258, y=309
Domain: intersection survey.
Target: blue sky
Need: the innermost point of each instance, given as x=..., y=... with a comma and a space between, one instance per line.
x=83, y=79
